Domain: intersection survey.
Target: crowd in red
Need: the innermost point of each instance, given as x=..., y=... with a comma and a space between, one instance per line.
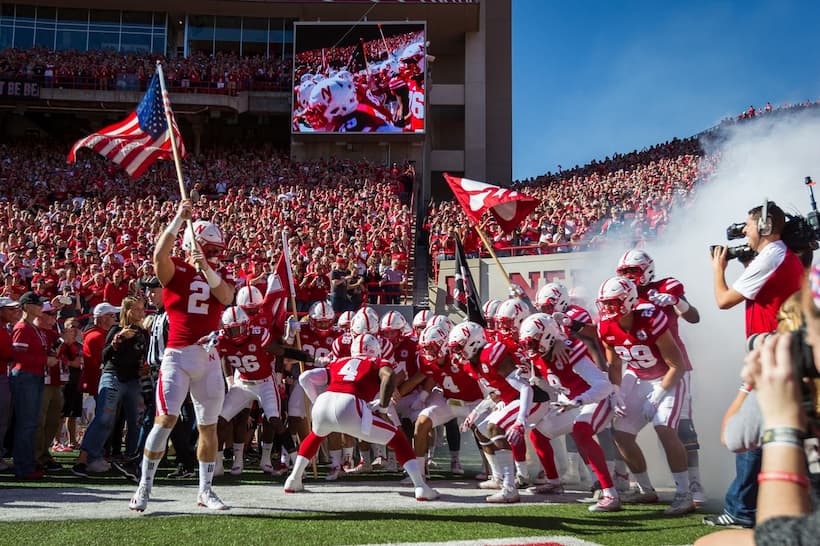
x=108, y=70
x=315, y=60
x=86, y=231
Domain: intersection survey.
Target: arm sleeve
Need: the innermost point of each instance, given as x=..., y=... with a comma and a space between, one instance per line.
x=525, y=395
x=311, y=380
x=599, y=385
x=744, y=428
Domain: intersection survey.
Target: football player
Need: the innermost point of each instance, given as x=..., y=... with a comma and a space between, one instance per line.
x=653, y=386
x=195, y=296
x=355, y=403
x=582, y=407
x=668, y=294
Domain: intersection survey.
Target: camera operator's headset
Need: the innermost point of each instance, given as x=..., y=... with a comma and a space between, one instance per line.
x=764, y=223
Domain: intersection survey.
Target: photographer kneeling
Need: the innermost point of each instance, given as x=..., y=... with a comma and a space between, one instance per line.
x=782, y=370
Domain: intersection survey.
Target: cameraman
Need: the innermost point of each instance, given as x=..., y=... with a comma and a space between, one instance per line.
x=783, y=515
x=768, y=280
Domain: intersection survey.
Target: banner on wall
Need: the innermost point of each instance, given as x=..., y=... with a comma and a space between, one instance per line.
x=19, y=89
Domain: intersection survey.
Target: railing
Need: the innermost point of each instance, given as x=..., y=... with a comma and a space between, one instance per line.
x=130, y=82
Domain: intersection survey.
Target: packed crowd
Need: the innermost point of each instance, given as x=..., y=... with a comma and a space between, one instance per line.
x=225, y=73
x=76, y=229
x=317, y=60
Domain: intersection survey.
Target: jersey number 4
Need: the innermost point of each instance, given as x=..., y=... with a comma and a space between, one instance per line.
x=350, y=370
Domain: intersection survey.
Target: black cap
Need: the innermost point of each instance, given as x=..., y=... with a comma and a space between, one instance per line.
x=153, y=282
x=30, y=297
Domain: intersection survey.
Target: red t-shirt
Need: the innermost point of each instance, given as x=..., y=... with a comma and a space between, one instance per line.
x=93, y=343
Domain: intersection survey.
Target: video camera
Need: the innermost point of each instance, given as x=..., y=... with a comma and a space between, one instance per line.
x=800, y=233
x=806, y=376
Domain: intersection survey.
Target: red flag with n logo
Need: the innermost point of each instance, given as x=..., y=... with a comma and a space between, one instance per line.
x=508, y=207
x=275, y=304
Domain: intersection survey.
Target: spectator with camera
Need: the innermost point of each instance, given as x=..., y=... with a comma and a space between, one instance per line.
x=784, y=513
x=773, y=275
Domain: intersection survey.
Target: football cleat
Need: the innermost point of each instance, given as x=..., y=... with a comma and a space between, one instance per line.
x=139, y=502
x=379, y=462
x=333, y=474
x=606, y=504
x=209, y=500
x=293, y=485
x=360, y=468
x=426, y=493
x=549, y=488
x=681, y=504
x=505, y=496
x=641, y=497
x=491, y=483
x=539, y=479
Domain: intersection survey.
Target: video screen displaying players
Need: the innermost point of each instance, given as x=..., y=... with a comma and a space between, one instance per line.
x=359, y=78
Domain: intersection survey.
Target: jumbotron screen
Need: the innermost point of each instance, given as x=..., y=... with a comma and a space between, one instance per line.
x=359, y=77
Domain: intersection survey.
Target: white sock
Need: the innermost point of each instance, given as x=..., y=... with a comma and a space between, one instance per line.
x=522, y=469
x=347, y=454
x=266, y=451
x=495, y=469
x=413, y=470
x=149, y=470
x=206, y=475
x=238, y=453
x=299, y=466
x=335, y=458
x=681, y=481
x=504, y=458
x=422, y=465
x=643, y=481
x=610, y=492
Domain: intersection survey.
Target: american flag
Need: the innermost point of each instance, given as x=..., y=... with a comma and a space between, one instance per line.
x=140, y=139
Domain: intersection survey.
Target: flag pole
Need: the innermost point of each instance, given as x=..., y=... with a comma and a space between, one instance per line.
x=166, y=104
x=490, y=249
x=294, y=316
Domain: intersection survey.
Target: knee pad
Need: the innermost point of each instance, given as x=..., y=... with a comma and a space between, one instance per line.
x=157, y=439
x=688, y=435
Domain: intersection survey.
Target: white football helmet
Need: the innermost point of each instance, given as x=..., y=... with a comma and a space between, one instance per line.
x=321, y=316
x=433, y=340
x=466, y=339
x=510, y=314
x=414, y=54
x=617, y=297
x=638, y=266
x=344, y=321
x=539, y=333
x=249, y=298
x=365, y=345
x=235, y=322
x=365, y=321
x=333, y=98
x=392, y=325
x=442, y=321
x=209, y=237
x=488, y=310
x=420, y=320
x=303, y=93
x=552, y=297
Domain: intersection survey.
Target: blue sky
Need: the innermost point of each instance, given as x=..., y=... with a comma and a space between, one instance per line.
x=594, y=78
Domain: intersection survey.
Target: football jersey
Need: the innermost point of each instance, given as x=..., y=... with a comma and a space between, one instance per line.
x=365, y=119
x=415, y=99
x=491, y=356
x=193, y=312
x=673, y=286
x=248, y=356
x=404, y=354
x=356, y=376
x=560, y=372
x=579, y=314
x=637, y=348
x=452, y=378
x=341, y=345
x=317, y=344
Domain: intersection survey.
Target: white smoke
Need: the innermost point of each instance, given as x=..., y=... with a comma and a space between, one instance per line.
x=766, y=158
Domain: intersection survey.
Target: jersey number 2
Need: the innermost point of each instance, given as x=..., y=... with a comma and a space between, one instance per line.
x=198, y=300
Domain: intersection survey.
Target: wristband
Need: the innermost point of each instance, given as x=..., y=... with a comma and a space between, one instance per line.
x=745, y=387
x=779, y=476
x=212, y=277
x=682, y=306
x=174, y=227
x=783, y=436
